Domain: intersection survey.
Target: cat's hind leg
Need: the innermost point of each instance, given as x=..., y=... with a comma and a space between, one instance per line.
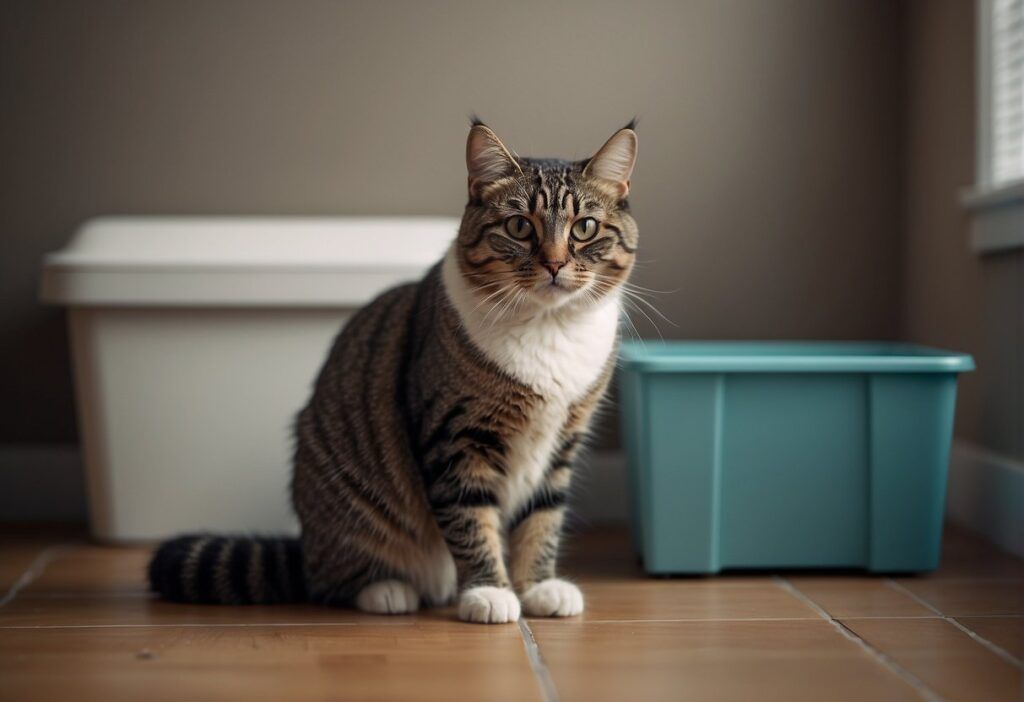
x=424, y=577
x=388, y=597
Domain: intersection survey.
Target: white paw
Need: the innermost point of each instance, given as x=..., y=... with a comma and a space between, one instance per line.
x=488, y=605
x=388, y=597
x=553, y=598
x=437, y=582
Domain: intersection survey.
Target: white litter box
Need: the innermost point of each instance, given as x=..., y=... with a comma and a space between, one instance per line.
x=195, y=342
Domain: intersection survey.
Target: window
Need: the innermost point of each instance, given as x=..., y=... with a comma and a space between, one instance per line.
x=997, y=198
x=1006, y=85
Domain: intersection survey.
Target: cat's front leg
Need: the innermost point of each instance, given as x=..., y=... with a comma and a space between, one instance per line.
x=534, y=537
x=465, y=503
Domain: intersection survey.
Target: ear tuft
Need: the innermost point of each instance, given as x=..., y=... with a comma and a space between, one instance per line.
x=487, y=159
x=613, y=163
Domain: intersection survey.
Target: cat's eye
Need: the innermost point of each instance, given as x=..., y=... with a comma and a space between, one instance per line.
x=585, y=229
x=519, y=227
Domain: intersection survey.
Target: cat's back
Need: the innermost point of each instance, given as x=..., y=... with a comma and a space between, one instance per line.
x=352, y=423
x=373, y=344
x=352, y=412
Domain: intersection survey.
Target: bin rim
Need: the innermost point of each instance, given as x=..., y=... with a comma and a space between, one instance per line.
x=709, y=356
x=247, y=261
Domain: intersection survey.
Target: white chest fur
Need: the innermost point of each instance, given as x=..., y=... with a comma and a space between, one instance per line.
x=558, y=353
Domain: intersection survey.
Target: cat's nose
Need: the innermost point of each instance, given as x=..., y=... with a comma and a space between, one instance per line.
x=553, y=267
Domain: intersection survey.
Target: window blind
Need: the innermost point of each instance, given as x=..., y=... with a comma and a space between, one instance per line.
x=1007, y=107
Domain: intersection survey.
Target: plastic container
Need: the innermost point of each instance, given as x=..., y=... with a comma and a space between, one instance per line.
x=196, y=340
x=787, y=455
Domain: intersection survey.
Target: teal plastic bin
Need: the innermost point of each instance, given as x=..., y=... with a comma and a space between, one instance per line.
x=787, y=455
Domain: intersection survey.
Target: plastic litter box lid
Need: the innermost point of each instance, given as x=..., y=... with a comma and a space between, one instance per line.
x=243, y=261
x=789, y=357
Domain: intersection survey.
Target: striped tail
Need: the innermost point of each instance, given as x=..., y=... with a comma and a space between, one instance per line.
x=228, y=570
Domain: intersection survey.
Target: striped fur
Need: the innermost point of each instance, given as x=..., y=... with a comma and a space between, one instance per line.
x=435, y=455
x=228, y=570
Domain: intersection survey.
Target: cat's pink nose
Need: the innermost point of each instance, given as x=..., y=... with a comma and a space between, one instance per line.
x=553, y=267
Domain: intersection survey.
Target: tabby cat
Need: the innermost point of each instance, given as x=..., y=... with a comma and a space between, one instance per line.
x=434, y=457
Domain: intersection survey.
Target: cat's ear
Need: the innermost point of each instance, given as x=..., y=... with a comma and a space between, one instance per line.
x=487, y=159
x=613, y=163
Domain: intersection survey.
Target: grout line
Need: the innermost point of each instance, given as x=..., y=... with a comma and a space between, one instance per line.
x=686, y=620
x=205, y=625
x=990, y=645
x=881, y=657
x=34, y=570
x=993, y=647
x=92, y=595
x=736, y=619
x=540, y=670
x=972, y=579
x=892, y=584
x=1017, y=615
x=412, y=623
x=926, y=616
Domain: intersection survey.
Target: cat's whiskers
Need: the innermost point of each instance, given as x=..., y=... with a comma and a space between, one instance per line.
x=632, y=294
x=505, y=304
x=496, y=293
x=483, y=289
x=522, y=299
x=509, y=300
x=504, y=293
x=630, y=300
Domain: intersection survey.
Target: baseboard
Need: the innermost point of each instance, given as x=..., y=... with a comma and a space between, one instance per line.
x=42, y=483
x=986, y=495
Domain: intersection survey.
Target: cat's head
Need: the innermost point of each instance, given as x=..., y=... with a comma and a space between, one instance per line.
x=546, y=232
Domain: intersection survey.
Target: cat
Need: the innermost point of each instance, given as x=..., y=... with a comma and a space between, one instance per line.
x=434, y=457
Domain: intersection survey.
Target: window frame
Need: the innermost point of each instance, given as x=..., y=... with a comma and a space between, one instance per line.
x=997, y=210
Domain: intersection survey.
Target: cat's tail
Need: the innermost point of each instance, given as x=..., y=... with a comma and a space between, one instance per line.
x=213, y=569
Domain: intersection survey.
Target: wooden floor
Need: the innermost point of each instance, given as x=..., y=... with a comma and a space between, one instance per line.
x=76, y=623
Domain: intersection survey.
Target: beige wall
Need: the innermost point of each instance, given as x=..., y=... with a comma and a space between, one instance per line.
x=942, y=281
x=768, y=191
x=952, y=297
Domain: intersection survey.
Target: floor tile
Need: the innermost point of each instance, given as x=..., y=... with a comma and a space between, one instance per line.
x=430, y=660
x=966, y=555
x=969, y=597
x=845, y=596
x=14, y=561
x=20, y=545
x=1005, y=632
x=90, y=568
x=712, y=660
x=103, y=610
x=689, y=599
x=946, y=659
x=86, y=624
